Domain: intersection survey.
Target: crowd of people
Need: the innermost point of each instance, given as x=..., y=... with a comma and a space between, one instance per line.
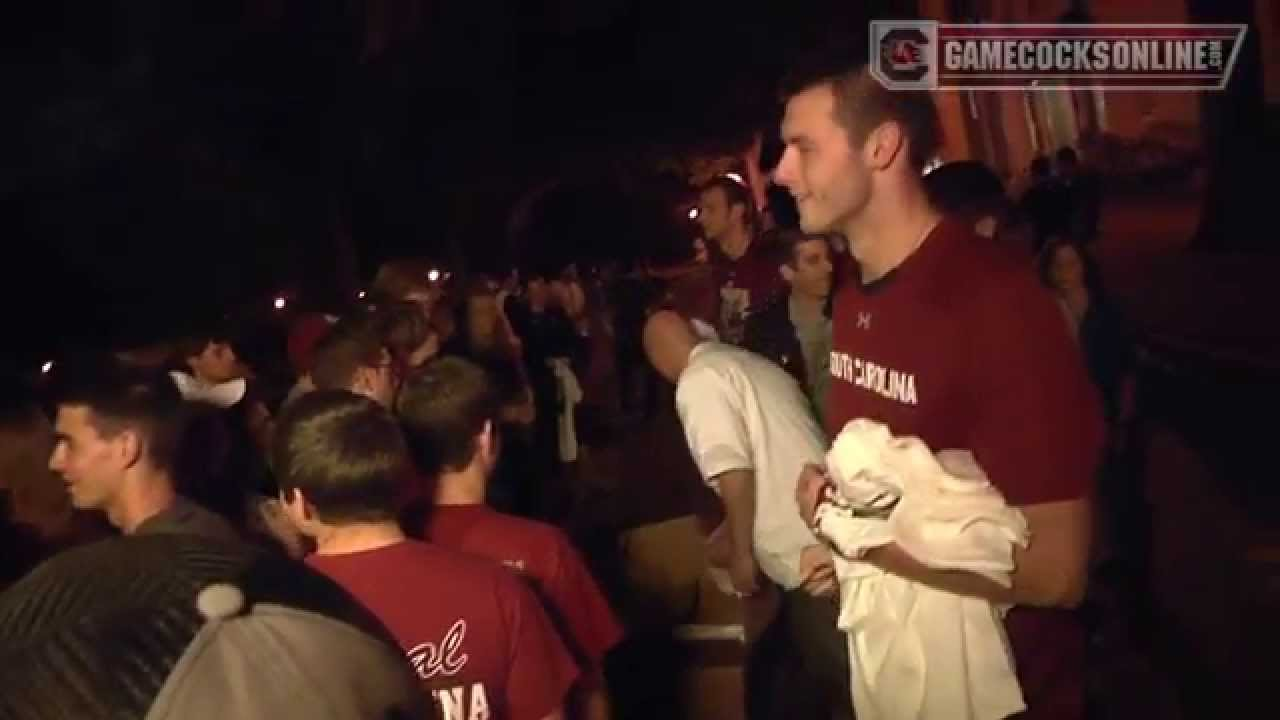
x=417, y=451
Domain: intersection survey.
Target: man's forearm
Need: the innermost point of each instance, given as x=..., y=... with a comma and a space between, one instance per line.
x=894, y=560
x=738, y=492
x=1051, y=572
x=591, y=699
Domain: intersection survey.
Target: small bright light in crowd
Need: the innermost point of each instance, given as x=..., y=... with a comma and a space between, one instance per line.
x=735, y=177
x=693, y=213
x=361, y=294
x=45, y=368
x=434, y=275
x=932, y=165
x=279, y=303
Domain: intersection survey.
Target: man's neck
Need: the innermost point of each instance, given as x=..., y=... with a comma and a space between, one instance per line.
x=145, y=496
x=462, y=487
x=735, y=242
x=890, y=229
x=805, y=306
x=358, y=537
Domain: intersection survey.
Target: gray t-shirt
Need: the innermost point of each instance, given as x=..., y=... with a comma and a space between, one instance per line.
x=184, y=517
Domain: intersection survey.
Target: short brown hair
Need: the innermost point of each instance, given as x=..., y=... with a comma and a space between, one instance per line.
x=344, y=452
x=735, y=193
x=353, y=343
x=396, y=279
x=782, y=244
x=442, y=411
x=862, y=104
x=120, y=399
x=403, y=327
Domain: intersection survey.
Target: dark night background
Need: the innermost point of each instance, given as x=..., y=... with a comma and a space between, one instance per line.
x=169, y=160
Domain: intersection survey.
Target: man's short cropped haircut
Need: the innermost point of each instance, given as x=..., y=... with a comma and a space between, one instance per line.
x=443, y=409
x=353, y=343
x=345, y=453
x=861, y=103
x=118, y=398
x=784, y=244
x=403, y=327
x=735, y=193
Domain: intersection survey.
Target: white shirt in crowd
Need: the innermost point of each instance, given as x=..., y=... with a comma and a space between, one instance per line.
x=740, y=411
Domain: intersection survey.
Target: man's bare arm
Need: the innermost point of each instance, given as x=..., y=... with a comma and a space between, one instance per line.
x=738, y=492
x=1051, y=572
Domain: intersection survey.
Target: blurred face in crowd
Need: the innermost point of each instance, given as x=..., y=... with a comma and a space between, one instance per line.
x=423, y=297
x=483, y=318
x=539, y=294
x=811, y=269
x=379, y=382
x=714, y=214
x=700, y=251
x=217, y=363
x=92, y=466
x=986, y=226
x=1067, y=269
x=819, y=167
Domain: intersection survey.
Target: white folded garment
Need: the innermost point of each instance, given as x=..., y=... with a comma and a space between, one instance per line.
x=918, y=652
x=223, y=395
x=570, y=394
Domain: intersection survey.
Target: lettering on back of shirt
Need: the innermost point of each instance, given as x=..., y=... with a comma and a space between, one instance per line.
x=433, y=661
x=446, y=658
x=464, y=702
x=886, y=382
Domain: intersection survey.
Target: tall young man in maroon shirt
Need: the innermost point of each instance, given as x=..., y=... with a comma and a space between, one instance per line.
x=449, y=413
x=475, y=635
x=942, y=336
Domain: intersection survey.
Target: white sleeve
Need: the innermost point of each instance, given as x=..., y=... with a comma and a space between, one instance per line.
x=711, y=413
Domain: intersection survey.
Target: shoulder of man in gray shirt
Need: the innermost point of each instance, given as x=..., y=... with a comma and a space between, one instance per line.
x=187, y=518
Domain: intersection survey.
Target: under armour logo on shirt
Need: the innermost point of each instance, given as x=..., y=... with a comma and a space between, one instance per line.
x=864, y=320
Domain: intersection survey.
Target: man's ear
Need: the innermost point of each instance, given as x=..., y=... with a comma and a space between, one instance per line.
x=295, y=505
x=128, y=447
x=361, y=383
x=788, y=273
x=884, y=144
x=487, y=440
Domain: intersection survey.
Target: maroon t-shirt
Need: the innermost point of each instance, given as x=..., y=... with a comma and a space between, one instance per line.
x=961, y=347
x=474, y=634
x=544, y=556
x=745, y=285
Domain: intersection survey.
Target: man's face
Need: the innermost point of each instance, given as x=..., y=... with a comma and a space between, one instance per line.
x=700, y=255
x=91, y=465
x=826, y=176
x=812, y=270
x=714, y=214
x=216, y=363
x=1067, y=269
x=538, y=293
x=379, y=382
x=482, y=317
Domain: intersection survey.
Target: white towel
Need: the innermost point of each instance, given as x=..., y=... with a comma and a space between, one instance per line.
x=917, y=652
x=570, y=393
x=222, y=395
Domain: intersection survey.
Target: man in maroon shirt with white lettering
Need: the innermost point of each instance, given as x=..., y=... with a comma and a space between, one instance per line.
x=942, y=336
x=449, y=413
x=745, y=275
x=476, y=636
